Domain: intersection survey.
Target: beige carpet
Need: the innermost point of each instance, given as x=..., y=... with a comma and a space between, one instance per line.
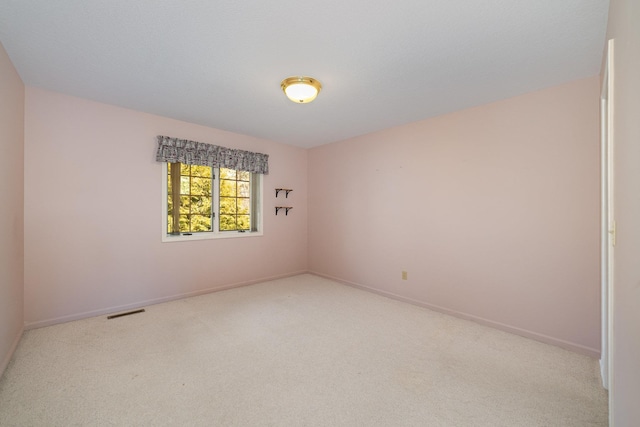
x=301, y=351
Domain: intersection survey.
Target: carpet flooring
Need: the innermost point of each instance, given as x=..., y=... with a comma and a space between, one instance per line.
x=300, y=351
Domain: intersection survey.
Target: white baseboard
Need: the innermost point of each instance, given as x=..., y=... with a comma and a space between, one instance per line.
x=577, y=348
x=140, y=304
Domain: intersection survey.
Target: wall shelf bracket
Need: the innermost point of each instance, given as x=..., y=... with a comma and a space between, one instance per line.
x=286, y=191
x=286, y=209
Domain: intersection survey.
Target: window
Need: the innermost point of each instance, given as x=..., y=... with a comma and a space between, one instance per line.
x=235, y=200
x=209, y=202
x=190, y=209
x=209, y=191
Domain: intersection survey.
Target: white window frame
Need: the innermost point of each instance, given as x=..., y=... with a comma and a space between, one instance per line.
x=215, y=233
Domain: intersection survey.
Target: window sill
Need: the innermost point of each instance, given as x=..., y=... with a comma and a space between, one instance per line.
x=210, y=236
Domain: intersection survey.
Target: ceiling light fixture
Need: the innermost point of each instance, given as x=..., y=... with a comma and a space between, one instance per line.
x=301, y=89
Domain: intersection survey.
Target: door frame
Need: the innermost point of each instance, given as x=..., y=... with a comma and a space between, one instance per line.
x=608, y=230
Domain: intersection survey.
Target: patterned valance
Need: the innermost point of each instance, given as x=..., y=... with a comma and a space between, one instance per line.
x=174, y=150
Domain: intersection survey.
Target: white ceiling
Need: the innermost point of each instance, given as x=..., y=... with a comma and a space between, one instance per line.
x=382, y=63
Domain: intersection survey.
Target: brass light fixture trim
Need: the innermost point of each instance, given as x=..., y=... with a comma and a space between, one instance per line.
x=301, y=89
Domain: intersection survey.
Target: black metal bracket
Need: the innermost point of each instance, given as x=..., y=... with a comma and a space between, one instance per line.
x=286, y=209
x=286, y=191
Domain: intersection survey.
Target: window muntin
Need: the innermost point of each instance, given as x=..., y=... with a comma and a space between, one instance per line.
x=206, y=207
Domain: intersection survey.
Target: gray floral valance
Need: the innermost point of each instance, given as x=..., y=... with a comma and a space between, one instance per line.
x=174, y=150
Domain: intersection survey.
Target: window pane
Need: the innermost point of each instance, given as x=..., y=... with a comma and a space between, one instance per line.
x=184, y=185
x=201, y=186
x=244, y=206
x=184, y=169
x=227, y=173
x=244, y=189
x=204, y=171
x=201, y=205
x=227, y=188
x=200, y=223
x=184, y=223
x=185, y=204
x=244, y=176
x=244, y=222
x=227, y=205
x=227, y=222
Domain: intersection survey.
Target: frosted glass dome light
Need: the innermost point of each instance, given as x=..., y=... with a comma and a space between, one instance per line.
x=301, y=90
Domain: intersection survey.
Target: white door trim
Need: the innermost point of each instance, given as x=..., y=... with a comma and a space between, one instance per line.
x=608, y=231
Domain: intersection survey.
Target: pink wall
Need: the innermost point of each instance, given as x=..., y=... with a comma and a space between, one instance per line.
x=11, y=214
x=492, y=211
x=93, y=213
x=624, y=17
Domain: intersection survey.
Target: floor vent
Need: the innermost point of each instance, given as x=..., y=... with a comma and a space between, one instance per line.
x=113, y=316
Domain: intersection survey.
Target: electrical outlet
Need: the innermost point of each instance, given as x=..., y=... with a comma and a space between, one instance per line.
x=404, y=275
